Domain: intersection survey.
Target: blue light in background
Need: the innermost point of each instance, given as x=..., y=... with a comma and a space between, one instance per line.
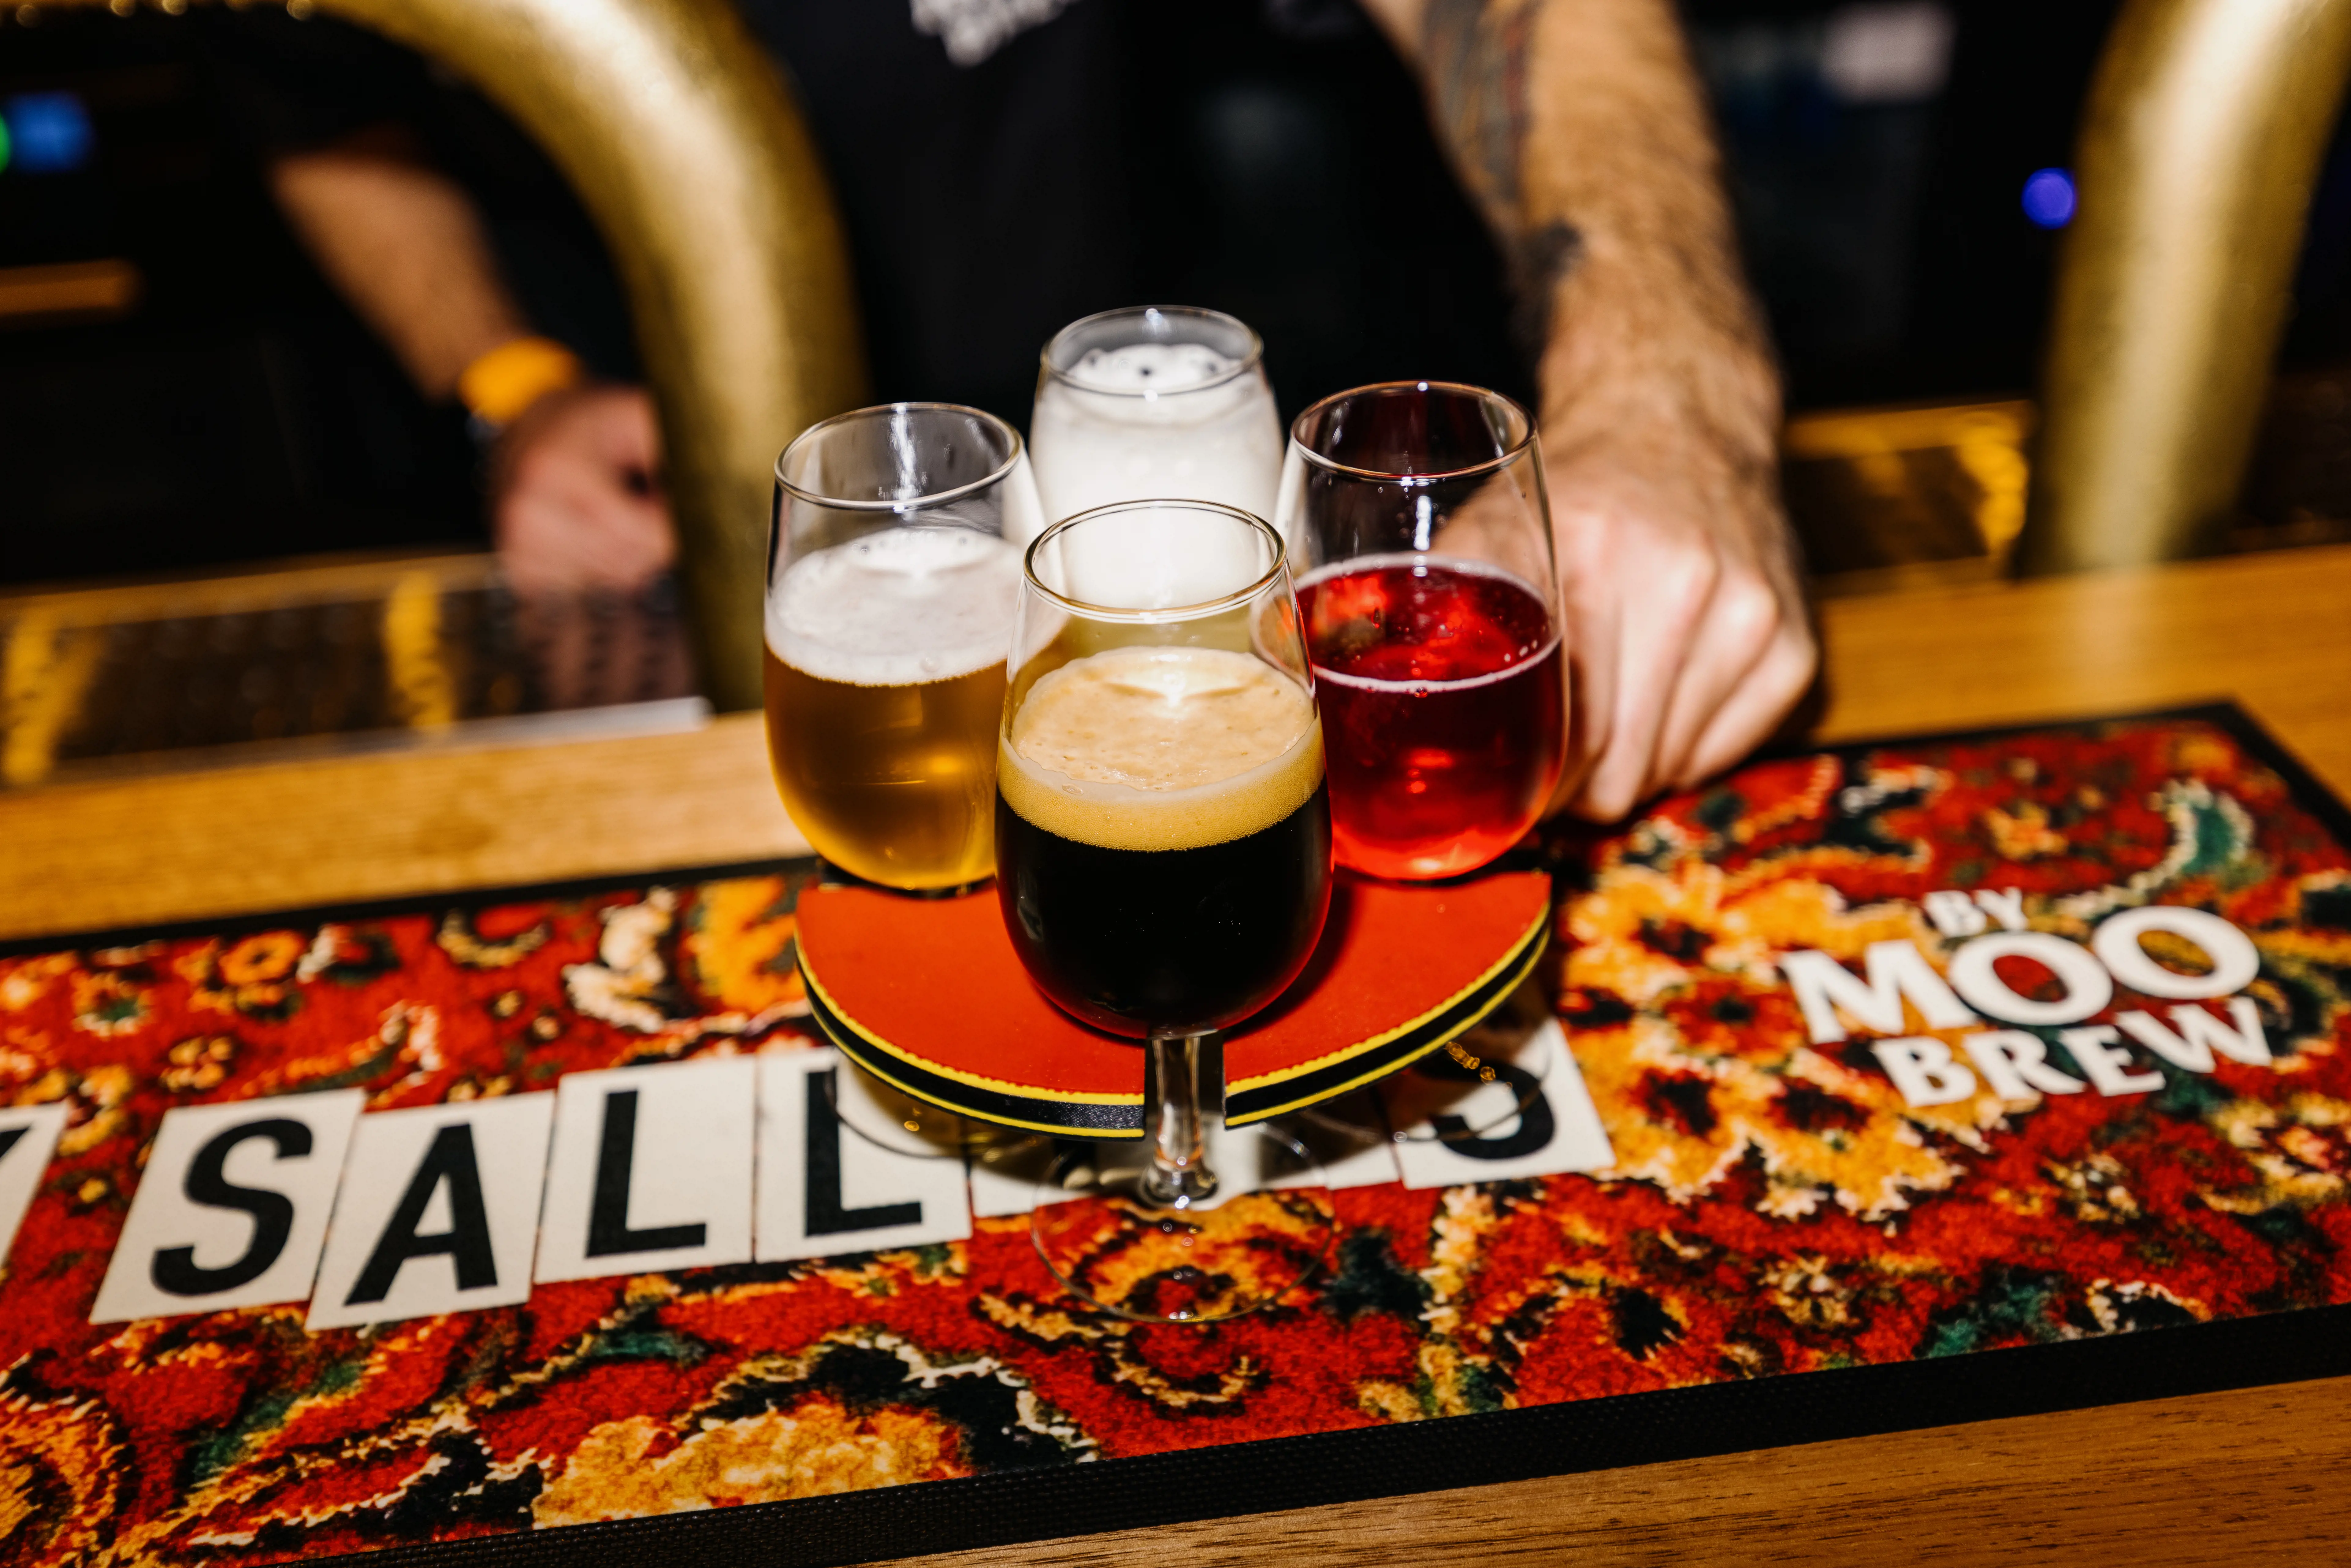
x=2049, y=198
x=49, y=132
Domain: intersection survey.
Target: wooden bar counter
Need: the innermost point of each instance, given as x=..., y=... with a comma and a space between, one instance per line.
x=2224, y=1476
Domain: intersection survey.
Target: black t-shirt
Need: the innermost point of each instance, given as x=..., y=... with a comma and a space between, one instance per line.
x=1000, y=176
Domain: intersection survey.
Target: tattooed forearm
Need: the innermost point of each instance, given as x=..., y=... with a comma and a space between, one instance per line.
x=1539, y=258
x=1580, y=128
x=1475, y=54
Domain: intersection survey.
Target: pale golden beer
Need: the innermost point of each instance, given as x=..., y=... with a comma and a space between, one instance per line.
x=895, y=784
x=884, y=676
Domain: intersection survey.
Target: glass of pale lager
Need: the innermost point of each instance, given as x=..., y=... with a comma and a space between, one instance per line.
x=894, y=569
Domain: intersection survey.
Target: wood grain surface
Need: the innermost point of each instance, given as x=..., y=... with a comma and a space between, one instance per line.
x=2252, y=1476
x=94, y=856
x=2272, y=631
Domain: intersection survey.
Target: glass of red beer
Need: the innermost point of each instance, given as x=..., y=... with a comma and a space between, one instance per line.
x=1418, y=515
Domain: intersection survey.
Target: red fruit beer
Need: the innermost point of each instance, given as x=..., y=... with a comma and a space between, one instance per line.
x=1444, y=730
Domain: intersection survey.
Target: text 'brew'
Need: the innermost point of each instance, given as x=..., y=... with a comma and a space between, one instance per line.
x=1164, y=840
x=885, y=689
x=1440, y=684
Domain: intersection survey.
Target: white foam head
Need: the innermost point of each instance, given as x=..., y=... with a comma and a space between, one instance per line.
x=1150, y=367
x=897, y=607
x=1146, y=420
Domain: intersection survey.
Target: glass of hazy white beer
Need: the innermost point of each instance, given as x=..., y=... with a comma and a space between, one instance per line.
x=893, y=569
x=1163, y=850
x=1150, y=402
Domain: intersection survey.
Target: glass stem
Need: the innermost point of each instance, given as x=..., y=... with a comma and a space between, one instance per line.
x=1183, y=1087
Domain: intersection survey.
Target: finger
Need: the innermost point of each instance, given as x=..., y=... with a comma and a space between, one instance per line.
x=1588, y=640
x=631, y=432
x=1736, y=632
x=624, y=540
x=1772, y=688
x=571, y=525
x=1650, y=653
x=1666, y=593
x=1621, y=771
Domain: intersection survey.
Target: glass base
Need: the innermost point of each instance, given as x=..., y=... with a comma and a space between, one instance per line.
x=1267, y=1228
x=1461, y=1092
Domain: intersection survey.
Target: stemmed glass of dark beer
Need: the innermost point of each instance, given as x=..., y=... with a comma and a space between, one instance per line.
x=1418, y=514
x=1163, y=853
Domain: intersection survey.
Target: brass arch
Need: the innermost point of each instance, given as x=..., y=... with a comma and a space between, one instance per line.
x=2201, y=141
x=674, y=128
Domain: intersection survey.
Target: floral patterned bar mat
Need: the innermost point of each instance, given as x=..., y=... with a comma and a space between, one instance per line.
x=1914, y=1083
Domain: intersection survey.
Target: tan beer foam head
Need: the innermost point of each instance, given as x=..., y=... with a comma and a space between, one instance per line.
x=1161, y=748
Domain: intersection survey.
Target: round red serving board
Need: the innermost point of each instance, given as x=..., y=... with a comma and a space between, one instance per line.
x=927, y=994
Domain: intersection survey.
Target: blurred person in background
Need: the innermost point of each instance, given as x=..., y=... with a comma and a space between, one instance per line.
x=1005, y=166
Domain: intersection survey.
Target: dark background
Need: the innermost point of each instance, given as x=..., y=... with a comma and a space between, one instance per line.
x=241, y=413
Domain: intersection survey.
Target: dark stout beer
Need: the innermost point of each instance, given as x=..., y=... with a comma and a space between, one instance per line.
x=1163, y=837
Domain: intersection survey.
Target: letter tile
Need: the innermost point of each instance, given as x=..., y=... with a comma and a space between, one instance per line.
x=824, y=1189
x=1558, y=1131
x=439, y=1212
x=29, y=1136
x=651, y=1169
x=231, y=1210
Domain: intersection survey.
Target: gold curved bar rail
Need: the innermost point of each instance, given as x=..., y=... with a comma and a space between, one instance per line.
x=674, y=128
x=2201, y=141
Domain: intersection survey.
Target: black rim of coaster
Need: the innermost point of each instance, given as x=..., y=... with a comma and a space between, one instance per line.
x=1221, y=1480
x=1078, y=1118
x=1295, y=1090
